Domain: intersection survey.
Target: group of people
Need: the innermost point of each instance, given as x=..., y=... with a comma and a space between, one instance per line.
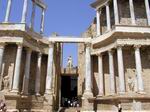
x=2, y=106
x=66, y=102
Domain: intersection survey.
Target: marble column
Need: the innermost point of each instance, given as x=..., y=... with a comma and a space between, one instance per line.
x=98, y=25
x=138, y=68
x=132, y=12
x=2, y=46
x=108, y=17
x=38, y=75
x=8, y=10
x=42, y=21
x=100, y=75
x=115, y=4
x=27, y=72
x=16, y=78
x=49, y=76
x=24, y=12
x=121, y=70
x=111, y=72
x=88, y=77
x=147, y=11
x=32, y=15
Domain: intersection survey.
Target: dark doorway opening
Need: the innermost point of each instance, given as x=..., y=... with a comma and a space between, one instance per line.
x=68, y=91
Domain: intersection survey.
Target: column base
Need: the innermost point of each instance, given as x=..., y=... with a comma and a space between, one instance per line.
x=121, y=93
x=16, y=91
x=48, y=92
x=141, y=92
x=87, y=94
x=38, y=94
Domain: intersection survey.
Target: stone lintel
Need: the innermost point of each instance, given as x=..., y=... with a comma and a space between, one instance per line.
x=69, y=39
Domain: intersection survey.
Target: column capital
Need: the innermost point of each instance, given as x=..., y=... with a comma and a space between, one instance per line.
x=39, y=54
x=111, y=51
x=119, y=46
x=137, y=46
x=19, y=44
x=99, y=54
x=107, y=3
x=88, y=44
x=51, y=44
x=2, y=45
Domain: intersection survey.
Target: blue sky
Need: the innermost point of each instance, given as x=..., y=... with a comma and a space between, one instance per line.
x=66, y=17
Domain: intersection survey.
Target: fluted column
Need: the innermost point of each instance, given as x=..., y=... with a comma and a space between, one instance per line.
x=121, y=69
x=8, y=10
x=42, y=21
x=98, y=25
x=111, y=72
x=27, y=72
x=138, y=68
x=2, y=46
x=147, y=11
x=16, y=78
x=108, y=17
x=115, y=4
x=49, y=76
x=88, y=77
x=24, y=12
x=33, y=15
x=100, y=75
x=38, y=75
x=132, y=12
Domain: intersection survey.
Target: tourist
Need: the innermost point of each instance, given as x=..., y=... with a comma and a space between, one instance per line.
x=2, y=106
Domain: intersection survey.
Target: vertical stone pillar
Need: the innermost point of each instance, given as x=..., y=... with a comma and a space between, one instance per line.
x=2, y=46
x=8, y=10
x=132, y=12
x=115, y=4
x=38, y=75
x=108, y=17
x=42, y=21
x=100, y=75
x=121, y=70
x=27, y=72
x=111, y=72
x=88, y=77
x=98, y=25
x=33, y=15
x=138, y=68
x=16, y=78
x=147, y=11
x=49, y=76
x=24, y=12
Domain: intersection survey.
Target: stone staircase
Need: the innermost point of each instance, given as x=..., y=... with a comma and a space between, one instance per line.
x=70, y=109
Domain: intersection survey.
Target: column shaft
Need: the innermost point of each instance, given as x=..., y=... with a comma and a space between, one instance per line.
x=42, y=21
x=111, y=72
x=27, y=72
x=33, y=15
x=16, y=78
x=24, y=12
x=88, y=77
x=121, y=69
x=38, y=74
x=49, y=76
x=98, y=13
x=139, y=69
x=8, y=10
x=147, y=11
x=100, y=75
x=115, y=4
x=132, y=12
x=1, y=61
x=108, y=17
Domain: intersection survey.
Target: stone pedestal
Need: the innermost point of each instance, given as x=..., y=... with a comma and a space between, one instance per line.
x=48, y=103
